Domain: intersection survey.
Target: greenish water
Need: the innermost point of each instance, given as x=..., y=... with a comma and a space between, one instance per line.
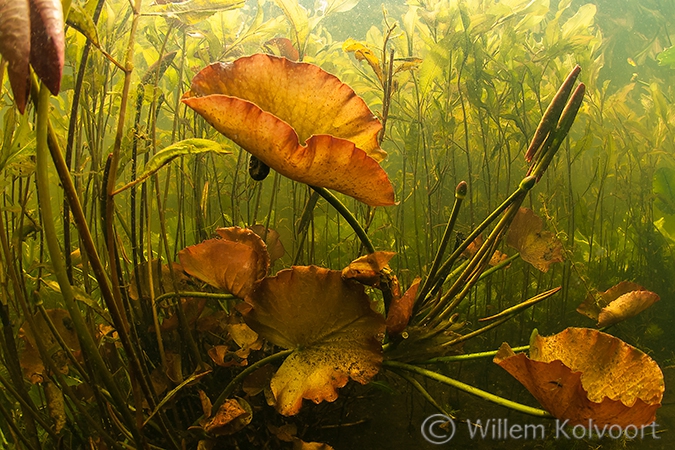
x=460, y=87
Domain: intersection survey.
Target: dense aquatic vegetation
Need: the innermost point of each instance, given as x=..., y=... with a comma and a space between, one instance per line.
x=114, y=191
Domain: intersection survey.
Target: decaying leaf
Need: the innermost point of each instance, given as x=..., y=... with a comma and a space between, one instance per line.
x=401, y=308
x=330, y=324
x=30, y=358
x=367, y=269
x=582, y=374
x=618, y=303
x=259, y=380
x=363, y=53
x=539, y=248
x=297, y=119
x=232, y=416
x=232, y=263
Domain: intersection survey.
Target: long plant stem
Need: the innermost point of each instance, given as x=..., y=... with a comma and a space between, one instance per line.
x=348, y=216
x=44, y=197
x=468, y=389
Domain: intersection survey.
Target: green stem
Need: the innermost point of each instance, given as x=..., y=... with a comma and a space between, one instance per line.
x=470, y=356
x=469, y=389
x=244, y=373
x=44, y=198
x=348, y=216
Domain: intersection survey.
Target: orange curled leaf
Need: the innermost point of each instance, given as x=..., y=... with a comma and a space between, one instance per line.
x=366, y=269
x=285, y=48
x=620, y=302
x=582, y=374
x=539, y=248
x=401, y=308
x=626, y=306
x=232, y=263
x=363, y=53
x=297, y=119
x=330, y=324
x=232, y=416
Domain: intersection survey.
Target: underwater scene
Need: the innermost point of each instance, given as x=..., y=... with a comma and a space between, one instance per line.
x=337, y=224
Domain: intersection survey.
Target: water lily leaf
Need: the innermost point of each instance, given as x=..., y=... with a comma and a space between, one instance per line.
x=272, y=240
x=401, y=308
x=539, y=248
x=595, y=302
x=582, y=374
x=299, y=120
x=47, y=42
x=667, y=57
x=166, y=155
x=232, y=263
x=626, y=306
x=367, y=269
x=330, y=325
x=15, y=47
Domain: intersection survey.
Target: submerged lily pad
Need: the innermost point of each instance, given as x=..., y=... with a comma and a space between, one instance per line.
x=330, y=325
x=298, y=119
x=232, y=263
x=618, y=303
x=582, y=374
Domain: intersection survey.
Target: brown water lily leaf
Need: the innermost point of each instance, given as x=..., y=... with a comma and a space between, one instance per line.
x=297, y=119
x=232, y=263
x=367, y=269
x=617, y=303
x=582, y=374
x=539, y=248
x=330, y=325
x=626, y=306
x=30, y=359
x=272, y=240
x=401, y=308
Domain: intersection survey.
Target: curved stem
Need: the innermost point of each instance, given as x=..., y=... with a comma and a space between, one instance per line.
x=469, y=389
x=348, y=216
x=244, y=373
x=470, y=356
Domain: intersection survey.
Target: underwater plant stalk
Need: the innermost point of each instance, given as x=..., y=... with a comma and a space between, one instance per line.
x=44, y=198
x=348, y=216
x=470, y=356
x=229, y=389
x=525, y=185
x=468, y=389
x=460, y=194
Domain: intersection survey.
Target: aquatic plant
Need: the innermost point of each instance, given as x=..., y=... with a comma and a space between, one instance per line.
x=141, y=312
